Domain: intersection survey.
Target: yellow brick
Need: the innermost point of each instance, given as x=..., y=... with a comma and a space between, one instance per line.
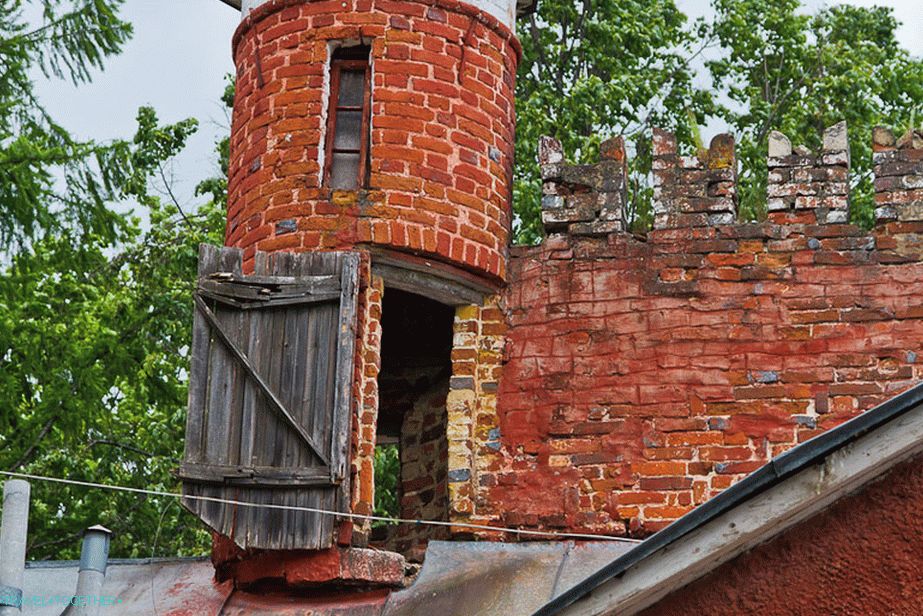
x=466, y=313
x=458, y=430
x=555, y=460
x=344, y=197
x=458, y=458
x=459, y=400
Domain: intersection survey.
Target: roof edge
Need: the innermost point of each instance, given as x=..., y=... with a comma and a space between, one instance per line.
x=117, y=562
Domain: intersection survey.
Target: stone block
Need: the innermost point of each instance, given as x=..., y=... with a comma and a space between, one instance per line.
x=779, y=145
x=835, y=138
x=550, y=151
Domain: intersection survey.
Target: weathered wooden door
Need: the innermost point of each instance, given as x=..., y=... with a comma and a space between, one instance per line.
x=270, y=395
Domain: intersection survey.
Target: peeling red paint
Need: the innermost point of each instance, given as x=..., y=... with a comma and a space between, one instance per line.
x=863, y=555
x=340, y=565
x=326, y=604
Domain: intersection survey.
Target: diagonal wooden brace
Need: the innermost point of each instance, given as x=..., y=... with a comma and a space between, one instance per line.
x=271, y=398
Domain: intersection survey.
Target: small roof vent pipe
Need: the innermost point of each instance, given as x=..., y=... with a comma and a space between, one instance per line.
x=94, y=556
x=13, y=529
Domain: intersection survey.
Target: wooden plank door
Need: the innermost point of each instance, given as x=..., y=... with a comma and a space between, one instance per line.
x=270, y=395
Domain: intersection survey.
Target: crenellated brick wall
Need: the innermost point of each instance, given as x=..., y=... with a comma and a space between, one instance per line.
x=800, y=181
x=641, y=377
x=441, y=134
x=693, y=191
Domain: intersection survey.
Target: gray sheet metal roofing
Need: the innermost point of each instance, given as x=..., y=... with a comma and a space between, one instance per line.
x=774, y=472
x=457, y=579
x=177, y=586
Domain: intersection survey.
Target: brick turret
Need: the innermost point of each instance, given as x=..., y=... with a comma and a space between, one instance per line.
x=384, y=128
x=436, y=137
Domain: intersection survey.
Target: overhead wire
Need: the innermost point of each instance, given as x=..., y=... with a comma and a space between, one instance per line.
x=338, y=514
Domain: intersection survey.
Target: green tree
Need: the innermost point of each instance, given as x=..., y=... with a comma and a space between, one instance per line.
x=49, y=181
x=94, y=344
x=781, y=69
x=592, y=69
x=95, y=310
x=387, y=478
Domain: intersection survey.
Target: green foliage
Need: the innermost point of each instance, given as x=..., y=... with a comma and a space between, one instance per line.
x=95, y=312
x=93, y=364
x=798, y=74
x=49, y=181
x=387, y=478
x=594, y=68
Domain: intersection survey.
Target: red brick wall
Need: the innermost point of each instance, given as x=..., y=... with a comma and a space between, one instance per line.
x=643, y=377
x=441, y=131
x=861, y=556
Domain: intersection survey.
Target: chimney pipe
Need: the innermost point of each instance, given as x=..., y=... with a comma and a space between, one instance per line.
x=94, y=556
x=14, y=527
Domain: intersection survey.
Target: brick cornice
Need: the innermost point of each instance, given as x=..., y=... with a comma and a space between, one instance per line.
x=488, y=20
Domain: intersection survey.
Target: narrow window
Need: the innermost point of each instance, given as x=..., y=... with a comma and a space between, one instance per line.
x=348, y=119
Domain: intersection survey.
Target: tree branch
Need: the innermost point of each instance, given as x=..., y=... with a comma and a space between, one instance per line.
x=132, y=448
x=173, y=198
x=24, y=458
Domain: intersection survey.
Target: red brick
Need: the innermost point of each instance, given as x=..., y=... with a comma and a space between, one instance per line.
x=415, y=77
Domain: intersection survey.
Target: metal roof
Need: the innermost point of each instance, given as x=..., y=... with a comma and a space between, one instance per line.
x=174, y=587
x=773, y=473
x=457, y=578
x=486, y=579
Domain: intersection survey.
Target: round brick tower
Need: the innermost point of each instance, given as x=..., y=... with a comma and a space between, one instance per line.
x=383, y=127
x=375, y=123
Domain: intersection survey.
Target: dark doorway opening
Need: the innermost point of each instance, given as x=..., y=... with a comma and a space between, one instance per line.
x=412, y=449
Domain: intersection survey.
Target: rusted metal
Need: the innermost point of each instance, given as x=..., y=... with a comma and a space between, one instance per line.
x=166, y=587
x=457, y=579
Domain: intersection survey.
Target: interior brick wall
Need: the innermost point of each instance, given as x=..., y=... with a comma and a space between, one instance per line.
x=641, y=377
x=420, y=392
x=442, y=123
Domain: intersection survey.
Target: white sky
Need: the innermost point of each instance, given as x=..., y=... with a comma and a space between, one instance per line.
x=181, y=51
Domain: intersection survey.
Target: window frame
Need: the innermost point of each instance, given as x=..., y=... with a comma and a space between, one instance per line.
x=337, y=66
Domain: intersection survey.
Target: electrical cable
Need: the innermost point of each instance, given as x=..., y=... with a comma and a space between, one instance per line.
x=389, y=520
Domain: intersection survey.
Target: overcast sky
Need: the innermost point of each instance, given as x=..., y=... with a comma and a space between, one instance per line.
x=181, y=52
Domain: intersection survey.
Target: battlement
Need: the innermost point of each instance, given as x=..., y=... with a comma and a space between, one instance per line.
x=694, y=191
x=640, y=377
x=584, y=199
x=802, y=181
x=898, y=165
x=698, y=191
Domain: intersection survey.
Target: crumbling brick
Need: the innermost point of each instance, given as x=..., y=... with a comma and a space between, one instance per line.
x=694, y=191
x=802, y=181
x=642, y=377
x=584, y=199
